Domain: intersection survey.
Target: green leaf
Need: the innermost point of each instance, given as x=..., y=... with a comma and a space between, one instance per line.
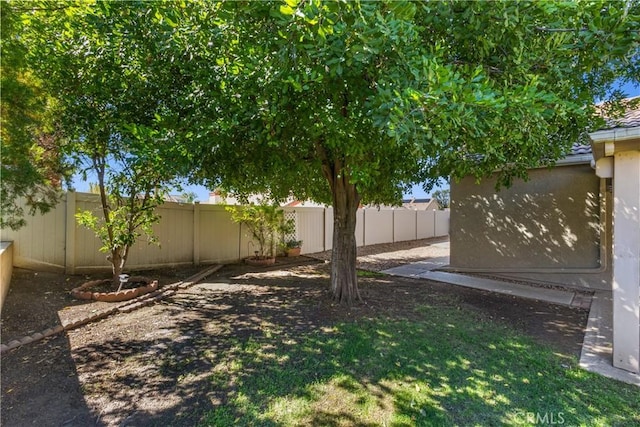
x=286, y=10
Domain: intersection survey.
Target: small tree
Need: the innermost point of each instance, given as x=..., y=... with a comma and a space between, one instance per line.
x=265, y=223
x=129, y=196
x=442, y=197
x=108, y=73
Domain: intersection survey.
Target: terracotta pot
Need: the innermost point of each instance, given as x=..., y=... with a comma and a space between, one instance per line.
x=293, y=252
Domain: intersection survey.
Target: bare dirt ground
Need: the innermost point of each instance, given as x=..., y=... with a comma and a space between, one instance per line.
x=150, y=366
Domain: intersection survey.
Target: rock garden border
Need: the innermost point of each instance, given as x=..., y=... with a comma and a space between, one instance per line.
x=131, y=305
x=84, y=291
x=260, y=261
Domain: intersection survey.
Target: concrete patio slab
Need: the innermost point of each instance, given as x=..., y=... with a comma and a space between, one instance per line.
x=597, y=348
x=554, y=296
x=446, y=244
x=432, y=263
x=409, y=270
x=423, y=270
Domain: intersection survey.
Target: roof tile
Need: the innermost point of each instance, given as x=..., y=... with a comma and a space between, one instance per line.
x=578, y=149
x=630, y=119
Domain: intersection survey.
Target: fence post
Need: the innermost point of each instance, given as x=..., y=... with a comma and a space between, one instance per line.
x=324, y=229
x=70, y=234
x=196, y=233
x=240, y=242
x=435, y=224
x=364, y=227
x=393, y=225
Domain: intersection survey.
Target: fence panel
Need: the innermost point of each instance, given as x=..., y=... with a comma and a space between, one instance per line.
x=328, y=229
x=198, y=234
x=85, y=244
x=426, y=224
x=41, y=243
x=219, y=236
x=442, y=223
x=378, y=226
x=310, y=228
x=174, y=232
x=404, y=225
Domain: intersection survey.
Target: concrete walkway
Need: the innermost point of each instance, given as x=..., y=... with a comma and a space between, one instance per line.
x=597, y=347
x=597, y=354
x=424, y=270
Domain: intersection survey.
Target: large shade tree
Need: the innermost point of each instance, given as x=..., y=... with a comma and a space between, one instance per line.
x=341, y=102
x=350, y=102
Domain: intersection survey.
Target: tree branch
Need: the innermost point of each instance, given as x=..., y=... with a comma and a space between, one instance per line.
x=573, y=30
x=47, y=9
x=560, y=30
x=327, y=167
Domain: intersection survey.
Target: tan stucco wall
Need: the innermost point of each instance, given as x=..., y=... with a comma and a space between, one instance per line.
x=541, y=229
x=6, y=269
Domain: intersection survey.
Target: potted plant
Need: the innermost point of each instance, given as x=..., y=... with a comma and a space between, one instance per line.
x=266, y=224
x=293, y=247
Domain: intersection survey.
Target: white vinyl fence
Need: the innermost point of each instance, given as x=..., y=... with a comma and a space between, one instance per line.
x=197, y=234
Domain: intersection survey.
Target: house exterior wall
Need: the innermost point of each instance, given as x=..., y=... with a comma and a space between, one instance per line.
x=548, y=228
x=6, y=268
x=626, y=270
x=617, y=155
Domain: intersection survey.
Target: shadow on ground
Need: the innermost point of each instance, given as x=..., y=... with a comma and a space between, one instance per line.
x=246, y=333
x=245, y=343
x=40, y=387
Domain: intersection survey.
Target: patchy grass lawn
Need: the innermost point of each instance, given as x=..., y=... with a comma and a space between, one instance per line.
x=267, y=347
x=450, y=368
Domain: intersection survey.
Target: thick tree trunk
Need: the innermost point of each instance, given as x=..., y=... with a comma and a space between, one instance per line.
x=346, y=200
x=344, y=280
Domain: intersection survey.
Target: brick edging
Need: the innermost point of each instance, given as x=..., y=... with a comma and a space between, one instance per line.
x=127, y=307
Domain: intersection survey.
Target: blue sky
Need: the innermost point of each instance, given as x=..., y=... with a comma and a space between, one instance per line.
x=202, y=193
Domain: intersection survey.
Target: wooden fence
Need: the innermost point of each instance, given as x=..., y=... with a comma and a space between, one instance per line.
x=197, y=234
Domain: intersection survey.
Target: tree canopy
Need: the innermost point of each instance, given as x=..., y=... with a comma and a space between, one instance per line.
x=33, y=167
x=340, y=102
x=407, y=91
x=104, y=63
x=352, y=102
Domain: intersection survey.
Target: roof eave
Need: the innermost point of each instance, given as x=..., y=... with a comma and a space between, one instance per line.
x=576, y=159
x=607, y=139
